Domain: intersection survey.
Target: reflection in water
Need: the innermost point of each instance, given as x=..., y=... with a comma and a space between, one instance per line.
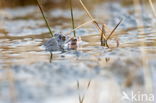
x=51, y=57
x=107, y=60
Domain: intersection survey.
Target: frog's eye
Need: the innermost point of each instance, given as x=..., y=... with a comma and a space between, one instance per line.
x=63, y=38
x=75, y=40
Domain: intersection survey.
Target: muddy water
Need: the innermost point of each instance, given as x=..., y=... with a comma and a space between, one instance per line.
x=32, y=79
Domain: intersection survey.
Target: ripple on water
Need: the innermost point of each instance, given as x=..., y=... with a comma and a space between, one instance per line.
x=23, y=34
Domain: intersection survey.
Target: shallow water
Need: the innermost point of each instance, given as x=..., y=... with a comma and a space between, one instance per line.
x=23, y=32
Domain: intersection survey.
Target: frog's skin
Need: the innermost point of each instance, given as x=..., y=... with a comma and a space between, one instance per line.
x=55, y=43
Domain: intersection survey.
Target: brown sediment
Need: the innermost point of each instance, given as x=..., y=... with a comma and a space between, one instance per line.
x=17, y=3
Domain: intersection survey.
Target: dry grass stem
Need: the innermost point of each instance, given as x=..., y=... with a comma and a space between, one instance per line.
x=104, y=42
x=81, y=26
x=114, y=29
x=72, y=17
x=152, y=6
x=101, y=39
x=91, y=17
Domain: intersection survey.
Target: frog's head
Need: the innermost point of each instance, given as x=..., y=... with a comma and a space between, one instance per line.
x=60, y=37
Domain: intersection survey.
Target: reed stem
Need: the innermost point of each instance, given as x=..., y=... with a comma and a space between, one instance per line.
x=91, y=17
x=51, y=57
x=102, y=35
x=72, y=17
x=81, y=26
x=114, y=29
x=44, y=17
x=152, y=6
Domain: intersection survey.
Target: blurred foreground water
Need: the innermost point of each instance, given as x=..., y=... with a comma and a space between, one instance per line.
x=26, y=76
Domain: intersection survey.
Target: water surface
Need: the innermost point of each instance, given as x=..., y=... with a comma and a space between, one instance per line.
x=23, y=32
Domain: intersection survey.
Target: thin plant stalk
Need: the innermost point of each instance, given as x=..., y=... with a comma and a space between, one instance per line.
x=81, y=25
x=145, y=60
x=114, y=30
x=152, y=6
x=81, y=99
x=72, y=17
x=78, y=84
x=44, y=17
x=101, y=39
x=78, y=87
x=104, y=42
x=106, y=28
x=51, y=57
x=91, y=17
x=88, y=85
x=88, y=13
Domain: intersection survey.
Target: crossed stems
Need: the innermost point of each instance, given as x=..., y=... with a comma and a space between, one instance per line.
x=102, y=31
x=104, y=39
